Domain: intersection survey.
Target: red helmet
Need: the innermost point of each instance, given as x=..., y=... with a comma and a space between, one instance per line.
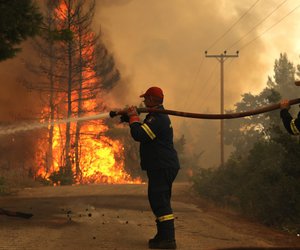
x=155, y=92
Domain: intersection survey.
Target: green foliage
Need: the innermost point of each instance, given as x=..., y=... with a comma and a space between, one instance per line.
x=284, y=77
x=260, y=186
x=19, y=19
x=220, y=184
x=265, y=190
x=243, y=133
x=261, y=177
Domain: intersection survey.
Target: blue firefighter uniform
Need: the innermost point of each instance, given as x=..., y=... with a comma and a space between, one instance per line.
x=159, y=159
x=291, y=125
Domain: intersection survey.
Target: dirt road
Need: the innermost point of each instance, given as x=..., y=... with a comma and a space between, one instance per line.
x=118, y=217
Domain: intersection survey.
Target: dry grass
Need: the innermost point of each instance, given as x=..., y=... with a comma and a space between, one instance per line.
x=14, y=180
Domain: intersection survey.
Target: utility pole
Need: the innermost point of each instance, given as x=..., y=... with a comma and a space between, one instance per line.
x=222, y=58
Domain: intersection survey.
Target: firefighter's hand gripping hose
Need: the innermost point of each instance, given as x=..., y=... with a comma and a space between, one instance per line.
x=269, y=108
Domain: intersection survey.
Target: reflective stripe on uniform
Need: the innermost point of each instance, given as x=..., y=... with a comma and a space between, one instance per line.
x=166, y=217
x=294, y=129
x=148, y=131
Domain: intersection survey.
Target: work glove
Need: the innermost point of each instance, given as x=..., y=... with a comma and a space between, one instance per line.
x=124, y=118
x=133, y=115
x=284, y=104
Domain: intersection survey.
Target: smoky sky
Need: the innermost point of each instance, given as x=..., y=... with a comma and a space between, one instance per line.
x=16, y=102
x=162, y=43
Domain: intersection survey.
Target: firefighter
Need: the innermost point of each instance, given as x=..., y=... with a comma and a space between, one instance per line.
x=159, y=160
x=292, y=125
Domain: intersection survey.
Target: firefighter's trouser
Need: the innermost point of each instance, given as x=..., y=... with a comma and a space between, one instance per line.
x=159, y=194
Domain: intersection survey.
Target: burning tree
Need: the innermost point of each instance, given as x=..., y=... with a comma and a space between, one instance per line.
x=78, y=69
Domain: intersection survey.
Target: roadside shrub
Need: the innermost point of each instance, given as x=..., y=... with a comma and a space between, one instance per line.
x=264, y=185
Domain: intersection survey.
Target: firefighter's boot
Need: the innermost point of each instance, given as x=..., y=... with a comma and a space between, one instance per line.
x=165, y=238
x=157, y=233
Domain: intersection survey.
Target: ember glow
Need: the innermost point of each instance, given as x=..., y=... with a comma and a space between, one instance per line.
x=100, y=158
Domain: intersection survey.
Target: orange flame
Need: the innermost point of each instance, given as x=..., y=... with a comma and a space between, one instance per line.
x=101, y=159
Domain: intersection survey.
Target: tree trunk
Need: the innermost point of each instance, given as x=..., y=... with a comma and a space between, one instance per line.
x=79, y=103
x=49, y=159
x=69, y=98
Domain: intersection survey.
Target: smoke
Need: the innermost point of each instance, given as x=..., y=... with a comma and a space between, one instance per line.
x=162, y=43
x=16, y=102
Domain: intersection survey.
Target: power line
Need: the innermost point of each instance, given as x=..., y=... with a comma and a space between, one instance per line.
x=225, y=33
x=278, y=6
x=264, y=19
x=232, y=26
x=214, y=86
x=193, y=83
x=271, y=27
x=209, y=93
x=206, y=84
x=206, y=81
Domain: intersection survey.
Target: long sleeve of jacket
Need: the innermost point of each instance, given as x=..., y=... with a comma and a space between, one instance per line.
x=140, y=132
x=291, y=125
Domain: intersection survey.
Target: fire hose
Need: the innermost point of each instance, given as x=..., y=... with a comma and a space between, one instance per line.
x=7, y=130
x=207, y=116
x=210, y=116
x=142, y=110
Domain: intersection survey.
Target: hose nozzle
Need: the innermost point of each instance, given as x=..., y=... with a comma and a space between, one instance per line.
x=116, y=113
x=113, y=114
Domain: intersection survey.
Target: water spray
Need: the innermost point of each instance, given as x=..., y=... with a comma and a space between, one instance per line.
x=7, y=130
x=38, y=125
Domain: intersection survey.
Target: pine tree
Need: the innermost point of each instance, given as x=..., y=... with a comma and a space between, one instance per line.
x=243, y=133
x=19, y=20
